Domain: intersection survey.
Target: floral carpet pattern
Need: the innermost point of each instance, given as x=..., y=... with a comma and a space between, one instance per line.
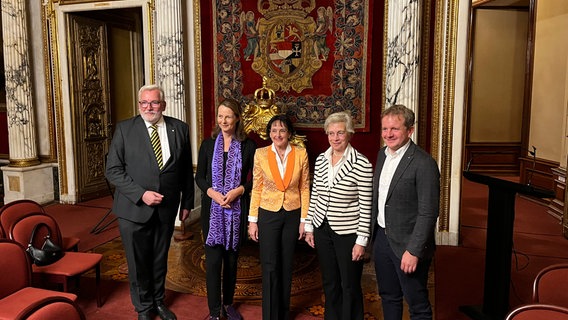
x=187, y=274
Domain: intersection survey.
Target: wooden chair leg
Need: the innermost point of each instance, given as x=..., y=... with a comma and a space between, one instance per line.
x=77, y=282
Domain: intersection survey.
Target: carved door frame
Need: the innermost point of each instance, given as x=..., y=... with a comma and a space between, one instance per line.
x=57, y=29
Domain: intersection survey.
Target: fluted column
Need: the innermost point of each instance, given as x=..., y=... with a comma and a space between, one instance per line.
x=19, y=103
x=169, y=55
x=403, y=53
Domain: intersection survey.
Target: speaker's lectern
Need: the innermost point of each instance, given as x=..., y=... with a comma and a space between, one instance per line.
x=499, y=243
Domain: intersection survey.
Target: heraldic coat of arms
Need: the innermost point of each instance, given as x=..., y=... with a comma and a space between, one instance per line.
x=287, y=45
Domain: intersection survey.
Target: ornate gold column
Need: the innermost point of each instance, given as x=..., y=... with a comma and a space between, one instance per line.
x=25, y=177
x=169, y=55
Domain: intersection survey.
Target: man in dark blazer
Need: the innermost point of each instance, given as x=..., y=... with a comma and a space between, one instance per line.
x=150, y=190
x=406, y=195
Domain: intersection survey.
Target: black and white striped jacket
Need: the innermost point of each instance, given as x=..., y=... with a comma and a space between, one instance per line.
x=346, y=201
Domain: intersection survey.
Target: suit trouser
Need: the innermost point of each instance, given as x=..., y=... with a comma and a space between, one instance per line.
x=277, y=236
x=341, y=276
x=146, y=246
x=394, y=284
x=217, y=258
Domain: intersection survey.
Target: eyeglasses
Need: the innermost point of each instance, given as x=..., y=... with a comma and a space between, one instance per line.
x=338, y=134
x=146, y=104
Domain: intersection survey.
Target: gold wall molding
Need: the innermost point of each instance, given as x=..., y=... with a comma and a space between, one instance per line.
x=53, y=88
x=445, y=50
x=198, y=65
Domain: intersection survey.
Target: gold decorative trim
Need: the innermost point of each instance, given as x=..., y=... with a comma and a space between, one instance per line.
x=22, y=163
x=445, y=52
x=67, y=2
x=385, y=54
x=424, y=89
x=198, y=74
x=151, y=9
x=51, y=157
x=55, y=88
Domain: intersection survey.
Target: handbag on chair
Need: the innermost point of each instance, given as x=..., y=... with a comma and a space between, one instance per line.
x=49, y=251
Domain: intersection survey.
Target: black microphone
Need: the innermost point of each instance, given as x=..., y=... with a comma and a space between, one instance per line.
x=469, y=163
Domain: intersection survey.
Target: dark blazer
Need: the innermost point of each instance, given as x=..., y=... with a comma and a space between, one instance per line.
x=346, y=201
x=203, y=179
x=132, y=168
x=412, y=203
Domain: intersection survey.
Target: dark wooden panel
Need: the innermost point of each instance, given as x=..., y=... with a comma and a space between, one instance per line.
x=492, y=158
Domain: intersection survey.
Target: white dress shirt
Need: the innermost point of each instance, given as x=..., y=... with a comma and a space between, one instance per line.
x=389, y=167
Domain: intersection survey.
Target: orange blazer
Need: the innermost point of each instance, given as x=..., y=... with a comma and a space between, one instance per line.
x=271, y=192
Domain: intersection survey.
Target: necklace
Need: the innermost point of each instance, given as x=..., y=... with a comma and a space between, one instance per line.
x=337, y=155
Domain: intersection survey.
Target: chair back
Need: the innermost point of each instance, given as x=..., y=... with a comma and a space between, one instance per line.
x=21, y=231
x=13, y=211
x=550, y=285
x=15, y=267
x=52, y=308
x=538, y=312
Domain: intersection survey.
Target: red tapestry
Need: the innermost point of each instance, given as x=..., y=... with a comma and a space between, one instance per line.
x=314, y=54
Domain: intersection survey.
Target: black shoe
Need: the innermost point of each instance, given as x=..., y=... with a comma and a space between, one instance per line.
x=164, y=312
x=232, y=313
x=144, y=316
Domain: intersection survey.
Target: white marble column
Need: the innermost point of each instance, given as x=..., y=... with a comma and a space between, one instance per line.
x=19, y=104
x=403, y=53
x=169, y=55
x=25, y=177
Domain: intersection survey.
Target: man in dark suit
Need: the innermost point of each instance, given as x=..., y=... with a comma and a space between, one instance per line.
x=150, y=185
x=406, y=195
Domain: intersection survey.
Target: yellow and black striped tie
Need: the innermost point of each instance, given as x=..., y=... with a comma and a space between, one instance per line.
x=155, y=139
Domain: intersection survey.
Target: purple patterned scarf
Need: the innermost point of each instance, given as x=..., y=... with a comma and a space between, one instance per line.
x=224, y=223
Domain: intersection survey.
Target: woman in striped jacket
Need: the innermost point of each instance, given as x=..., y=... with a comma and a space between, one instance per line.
x=339, y=218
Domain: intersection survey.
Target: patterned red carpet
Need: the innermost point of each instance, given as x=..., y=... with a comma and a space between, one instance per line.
x=538, y=242
x=186, y=275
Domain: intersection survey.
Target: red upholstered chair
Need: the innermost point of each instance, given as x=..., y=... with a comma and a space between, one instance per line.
x=13, y=211
x=16, y=292
x=52, y=308
x=550, y=285
x=538, y=312
x=71, y=266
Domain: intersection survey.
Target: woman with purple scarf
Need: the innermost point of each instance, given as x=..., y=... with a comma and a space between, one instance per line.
x=224, y=175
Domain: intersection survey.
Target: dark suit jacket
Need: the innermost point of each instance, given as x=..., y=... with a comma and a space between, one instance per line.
x=412, y=203
x=132, y=168
x=203, y=179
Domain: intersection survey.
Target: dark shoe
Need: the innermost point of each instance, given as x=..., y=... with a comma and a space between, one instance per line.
x=232, y=313
x=144, y=316
x=164, y=313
